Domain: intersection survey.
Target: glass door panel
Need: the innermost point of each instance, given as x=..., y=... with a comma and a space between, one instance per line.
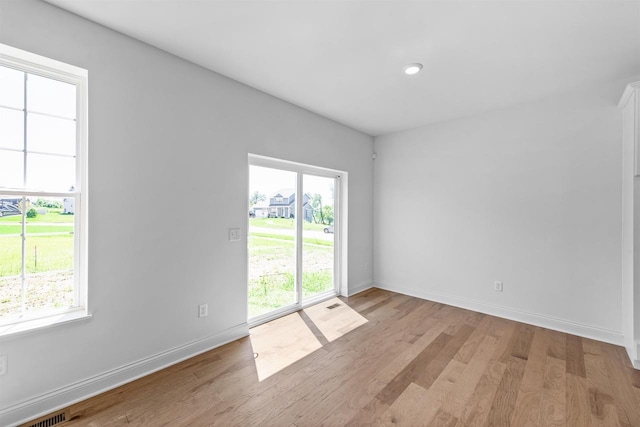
x=318, y=235
x=271, y=240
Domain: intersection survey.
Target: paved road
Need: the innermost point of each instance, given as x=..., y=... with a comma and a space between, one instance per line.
x=320, y=235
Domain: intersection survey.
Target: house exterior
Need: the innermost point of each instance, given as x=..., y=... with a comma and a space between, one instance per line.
x=260, y=210
x=69, y=205
x=282, y=204
x=10, y=207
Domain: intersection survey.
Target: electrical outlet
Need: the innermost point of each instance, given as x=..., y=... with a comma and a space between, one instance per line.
x=203, y=310
x=497, y=286
x=4, y=364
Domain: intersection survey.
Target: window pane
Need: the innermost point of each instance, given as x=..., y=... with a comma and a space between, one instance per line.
x=51, y=96
x=11, y=88
x=51, y=173
x=11, y=169
x=10, y=255
x=51, y=134
x=10, y=273
x=272, y=231
x=11, y=129
x=317, y=235
x=10, y=246
x=49, y=249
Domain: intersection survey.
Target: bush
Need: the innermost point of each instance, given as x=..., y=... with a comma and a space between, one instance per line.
x=32, y=213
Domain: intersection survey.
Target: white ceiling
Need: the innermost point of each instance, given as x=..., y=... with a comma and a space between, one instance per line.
x=344, y=59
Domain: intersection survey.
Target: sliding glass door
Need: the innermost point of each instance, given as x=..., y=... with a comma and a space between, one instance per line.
x=271, y=240
x=318, y=236
x=293, y=224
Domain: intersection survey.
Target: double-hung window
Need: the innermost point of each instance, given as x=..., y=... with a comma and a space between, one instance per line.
x=43, y=190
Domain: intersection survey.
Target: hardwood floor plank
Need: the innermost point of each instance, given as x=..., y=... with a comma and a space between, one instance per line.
x=603, y=408
x=621, y=386
x=427, y=376
x=456, y=400
x=273, y=401
x=425, y=403
x=384, y=358
x=553, y=408
x=396, y=386
x=438, y=393
x=368, y=415
x=402, y=410
x=443, y=419
x=477, y=337
x=528, y=403
x=575, y=356
x=578, y=407
x=386, y=343
x=356, y=402
x=504, y=402
x=557, y=345
x=479, y=406
x=316, y=408
x=522, y=344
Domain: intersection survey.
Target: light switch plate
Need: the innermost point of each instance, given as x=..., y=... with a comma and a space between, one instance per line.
x=234, y=234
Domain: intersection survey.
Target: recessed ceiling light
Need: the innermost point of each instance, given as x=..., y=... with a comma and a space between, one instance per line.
x=412, y=69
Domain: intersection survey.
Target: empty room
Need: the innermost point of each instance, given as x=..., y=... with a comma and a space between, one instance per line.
x=319, y=213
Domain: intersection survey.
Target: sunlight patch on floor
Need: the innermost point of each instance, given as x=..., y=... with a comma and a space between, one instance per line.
x=284, y=341
x=281, y=343
x=335, y=322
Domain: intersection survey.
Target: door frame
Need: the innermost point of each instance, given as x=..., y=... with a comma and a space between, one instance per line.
x=340, y=232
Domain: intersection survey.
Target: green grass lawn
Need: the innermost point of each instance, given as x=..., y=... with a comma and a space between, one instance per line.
x=54, y=215
x=35, y=228
x=55, y=253
x=271, y=267
x=310, y=240
x=283, y=223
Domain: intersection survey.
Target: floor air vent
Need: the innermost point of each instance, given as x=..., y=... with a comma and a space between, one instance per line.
x=332, y=306
x=50, y=420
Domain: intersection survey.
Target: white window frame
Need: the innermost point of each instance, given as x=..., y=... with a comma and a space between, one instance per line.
x=340, y=261
x=45, y=67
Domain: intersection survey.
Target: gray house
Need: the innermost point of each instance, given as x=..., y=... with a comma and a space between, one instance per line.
x=10, y=207
x=282, y=204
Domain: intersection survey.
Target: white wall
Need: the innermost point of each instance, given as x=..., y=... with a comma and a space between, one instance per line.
x=169, y=142
x=530, y=196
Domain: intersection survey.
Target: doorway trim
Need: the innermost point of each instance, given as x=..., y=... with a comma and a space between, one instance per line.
x=340, y=233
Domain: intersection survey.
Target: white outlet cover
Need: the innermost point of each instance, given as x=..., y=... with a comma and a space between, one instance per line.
x=203, y=310
x=498, y=286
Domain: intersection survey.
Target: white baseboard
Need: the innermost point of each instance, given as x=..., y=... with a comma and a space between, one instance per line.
x=359, y=287
x=65, y=396
x=574, y=328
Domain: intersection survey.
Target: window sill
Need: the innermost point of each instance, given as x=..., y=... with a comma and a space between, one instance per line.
x=35, y=325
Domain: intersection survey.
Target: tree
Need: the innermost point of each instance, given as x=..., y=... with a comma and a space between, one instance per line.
x=316, y=208
x=327, y=214
x=256, y=197
x=46, y=203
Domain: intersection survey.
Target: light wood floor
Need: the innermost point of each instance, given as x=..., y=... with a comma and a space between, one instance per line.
x=382, y=358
